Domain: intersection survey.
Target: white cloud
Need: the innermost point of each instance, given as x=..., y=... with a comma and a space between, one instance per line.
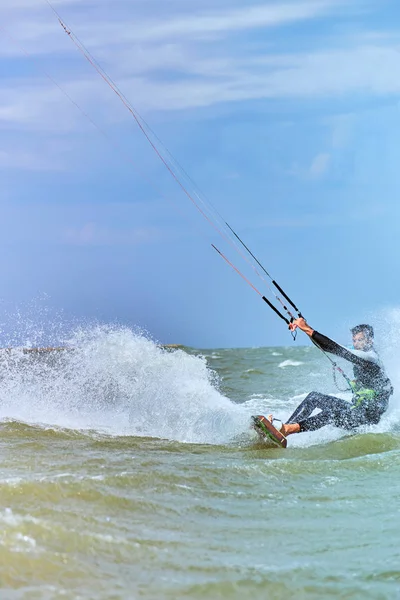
x=162, y=65
x=93, y=234
x=368, y=70
x=318, y=168
x=171, y=79
x=172, y=64
x=29, y=161
x=197, y=24
x=342, y=130
x=95, y=223
x=376, y=70
x=37, y=28
x=319, y=165
x=151, y=24
x=324, y=218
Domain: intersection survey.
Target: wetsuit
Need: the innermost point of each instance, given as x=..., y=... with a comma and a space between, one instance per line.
x=371, y=392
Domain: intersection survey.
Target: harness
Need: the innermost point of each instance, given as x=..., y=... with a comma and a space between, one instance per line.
x=362, y=396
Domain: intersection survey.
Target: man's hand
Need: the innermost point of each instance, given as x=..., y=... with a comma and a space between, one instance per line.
x=301, y=324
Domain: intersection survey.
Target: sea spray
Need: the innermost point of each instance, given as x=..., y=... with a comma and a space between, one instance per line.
x=116, y=380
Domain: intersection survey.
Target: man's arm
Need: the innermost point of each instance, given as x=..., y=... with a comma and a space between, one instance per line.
x=358, y=357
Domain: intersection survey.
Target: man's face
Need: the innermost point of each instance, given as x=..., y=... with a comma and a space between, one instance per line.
x=361, y=341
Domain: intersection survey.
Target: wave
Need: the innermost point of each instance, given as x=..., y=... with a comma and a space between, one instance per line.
x=290, y=363
x=115, y=380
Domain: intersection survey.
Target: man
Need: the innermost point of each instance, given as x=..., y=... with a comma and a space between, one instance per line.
x=371, y=386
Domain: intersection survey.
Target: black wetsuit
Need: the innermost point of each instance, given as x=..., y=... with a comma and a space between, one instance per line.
x=372, y=390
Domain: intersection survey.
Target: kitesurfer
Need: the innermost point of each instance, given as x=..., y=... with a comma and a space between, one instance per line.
x=371, y=387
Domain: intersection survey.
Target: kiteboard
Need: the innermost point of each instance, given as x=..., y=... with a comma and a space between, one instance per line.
x=268, y=432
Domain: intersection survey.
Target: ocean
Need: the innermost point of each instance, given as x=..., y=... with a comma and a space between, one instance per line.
x=130, y=471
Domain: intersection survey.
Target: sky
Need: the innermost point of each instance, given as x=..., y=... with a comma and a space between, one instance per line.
x=286, y=115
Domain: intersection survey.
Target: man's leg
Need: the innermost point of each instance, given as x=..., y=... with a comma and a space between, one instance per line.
x=309, y=404
x=336, y=411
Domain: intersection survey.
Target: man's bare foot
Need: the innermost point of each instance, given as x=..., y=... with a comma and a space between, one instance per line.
x=287, y=428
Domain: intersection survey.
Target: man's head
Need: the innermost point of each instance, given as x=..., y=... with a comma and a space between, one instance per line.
x=363, y=337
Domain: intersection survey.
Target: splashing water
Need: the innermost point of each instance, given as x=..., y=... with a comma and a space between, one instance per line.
x=117, y=381
x=114, y=380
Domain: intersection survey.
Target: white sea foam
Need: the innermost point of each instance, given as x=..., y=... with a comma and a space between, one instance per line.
x=290, y=363
x=120, y=382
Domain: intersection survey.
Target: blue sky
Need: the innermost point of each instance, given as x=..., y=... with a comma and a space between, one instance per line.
x=285, y=114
